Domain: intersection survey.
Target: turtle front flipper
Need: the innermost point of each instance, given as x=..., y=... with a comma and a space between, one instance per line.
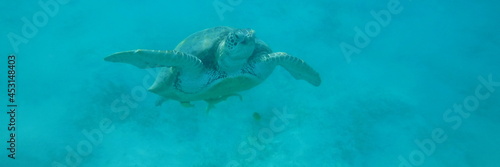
x=158, y=58
x=297, y=67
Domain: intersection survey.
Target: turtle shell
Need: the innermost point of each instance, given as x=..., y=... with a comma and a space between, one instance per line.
x=203, y=44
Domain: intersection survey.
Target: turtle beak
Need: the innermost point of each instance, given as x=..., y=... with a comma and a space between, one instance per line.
x=250, y=33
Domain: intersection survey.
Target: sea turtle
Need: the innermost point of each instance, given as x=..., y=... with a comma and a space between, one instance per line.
x=214, y=64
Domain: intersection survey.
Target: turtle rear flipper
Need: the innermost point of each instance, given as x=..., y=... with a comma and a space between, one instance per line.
x=160, y=101
x=211, y=102
x=295, y=66
x=187, y=104
x=159, y=58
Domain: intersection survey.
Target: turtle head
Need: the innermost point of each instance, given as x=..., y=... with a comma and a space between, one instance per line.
x=235, y=49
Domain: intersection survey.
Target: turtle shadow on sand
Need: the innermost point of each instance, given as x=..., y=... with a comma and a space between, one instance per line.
x=214, y=64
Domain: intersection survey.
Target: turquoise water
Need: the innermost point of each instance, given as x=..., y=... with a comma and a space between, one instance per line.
x=405, y=83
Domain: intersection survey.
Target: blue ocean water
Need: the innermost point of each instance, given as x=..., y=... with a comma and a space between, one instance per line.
x=405, y=83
